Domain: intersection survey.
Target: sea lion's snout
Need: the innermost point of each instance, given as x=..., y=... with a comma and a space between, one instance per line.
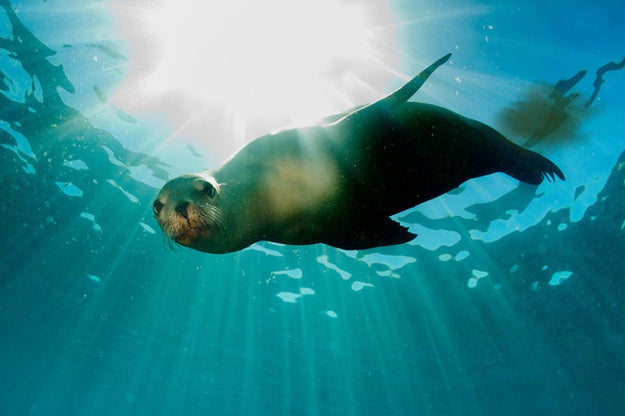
x=187, y=210
x=183, y=209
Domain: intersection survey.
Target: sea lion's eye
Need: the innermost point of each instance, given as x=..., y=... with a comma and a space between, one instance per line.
x=208, y=189
x=204, y=187
x=158, y=206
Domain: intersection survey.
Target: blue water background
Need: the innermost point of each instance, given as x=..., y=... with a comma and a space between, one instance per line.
x=510, y=302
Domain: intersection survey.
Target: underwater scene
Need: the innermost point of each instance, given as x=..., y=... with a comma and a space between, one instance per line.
x=333, y=265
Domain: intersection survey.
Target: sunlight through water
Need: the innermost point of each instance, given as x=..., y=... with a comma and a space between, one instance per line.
x=277, y=57
x=509, y=301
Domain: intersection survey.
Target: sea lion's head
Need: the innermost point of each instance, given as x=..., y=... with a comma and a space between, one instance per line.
x=187, y=209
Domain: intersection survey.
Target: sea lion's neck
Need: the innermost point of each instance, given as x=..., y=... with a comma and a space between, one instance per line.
x=243, y=211
x=281, y=201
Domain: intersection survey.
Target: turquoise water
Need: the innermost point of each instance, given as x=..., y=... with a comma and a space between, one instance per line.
x=510, y=300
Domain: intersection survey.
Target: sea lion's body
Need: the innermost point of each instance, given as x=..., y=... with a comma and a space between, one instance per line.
x=338, y=183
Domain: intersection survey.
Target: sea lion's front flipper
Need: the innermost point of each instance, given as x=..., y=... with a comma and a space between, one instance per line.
x=374, y=233
x=403, y=94
x=399, y=96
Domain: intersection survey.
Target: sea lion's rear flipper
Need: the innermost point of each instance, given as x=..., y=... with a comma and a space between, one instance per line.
x=374, y=233
x=533, y=168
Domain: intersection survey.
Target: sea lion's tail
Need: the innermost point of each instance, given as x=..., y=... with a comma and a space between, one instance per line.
x=533, y=168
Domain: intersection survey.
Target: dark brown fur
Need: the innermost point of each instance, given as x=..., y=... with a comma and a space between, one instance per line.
x=338, y=183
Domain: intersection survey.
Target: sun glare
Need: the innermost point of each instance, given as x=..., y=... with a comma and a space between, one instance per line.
x=258, y=56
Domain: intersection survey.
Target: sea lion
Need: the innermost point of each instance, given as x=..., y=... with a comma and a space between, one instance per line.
x=337, y=182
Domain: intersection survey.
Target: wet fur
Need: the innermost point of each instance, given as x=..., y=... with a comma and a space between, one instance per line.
x=339, y=182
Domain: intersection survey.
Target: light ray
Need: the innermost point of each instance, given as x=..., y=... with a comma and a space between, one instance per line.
x=276, y=58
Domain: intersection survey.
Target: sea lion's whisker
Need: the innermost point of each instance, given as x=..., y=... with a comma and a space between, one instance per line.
x=209, y=217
